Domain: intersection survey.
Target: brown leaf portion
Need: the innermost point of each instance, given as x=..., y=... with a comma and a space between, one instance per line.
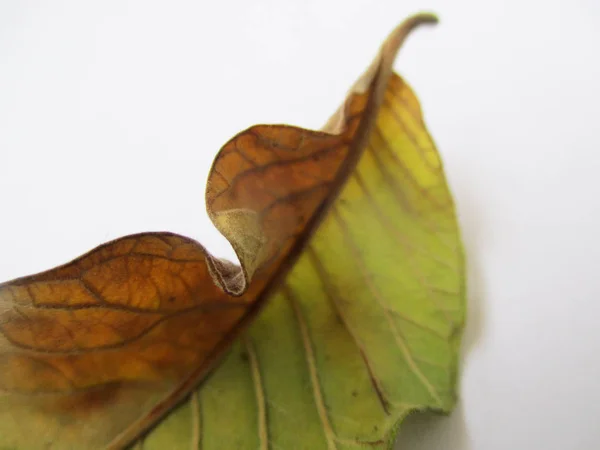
x=142, y=308
x=268, y=182
x=270, y=185
x=120, y=335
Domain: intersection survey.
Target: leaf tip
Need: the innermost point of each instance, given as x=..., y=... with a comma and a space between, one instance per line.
x=425, y=17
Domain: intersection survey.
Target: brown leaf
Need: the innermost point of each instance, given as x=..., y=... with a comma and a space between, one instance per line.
x=95, y=352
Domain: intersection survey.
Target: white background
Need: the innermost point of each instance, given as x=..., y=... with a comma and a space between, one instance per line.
x=111, y=113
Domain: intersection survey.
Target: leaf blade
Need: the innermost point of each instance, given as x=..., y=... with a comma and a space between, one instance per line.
x=299, y=197
x=377, y=345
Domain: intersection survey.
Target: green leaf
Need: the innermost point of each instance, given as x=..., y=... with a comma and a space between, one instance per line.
x=366, y=326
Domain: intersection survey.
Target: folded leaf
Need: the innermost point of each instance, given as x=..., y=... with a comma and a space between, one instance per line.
x=350, y=251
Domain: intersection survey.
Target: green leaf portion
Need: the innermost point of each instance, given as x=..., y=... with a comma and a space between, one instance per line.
x=367, y=325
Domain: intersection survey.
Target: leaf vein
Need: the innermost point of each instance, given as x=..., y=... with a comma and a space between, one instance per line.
x=263, y=430
x=330, y=293
x=312, y=368
x=398, y=337
x=196, y=443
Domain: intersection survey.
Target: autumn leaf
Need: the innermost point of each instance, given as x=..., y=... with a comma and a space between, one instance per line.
x=344, y=316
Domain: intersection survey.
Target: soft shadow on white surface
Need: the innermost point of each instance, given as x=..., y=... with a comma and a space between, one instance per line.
x=426, y=431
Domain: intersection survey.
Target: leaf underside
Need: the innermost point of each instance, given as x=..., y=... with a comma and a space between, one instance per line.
x=345, y=316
